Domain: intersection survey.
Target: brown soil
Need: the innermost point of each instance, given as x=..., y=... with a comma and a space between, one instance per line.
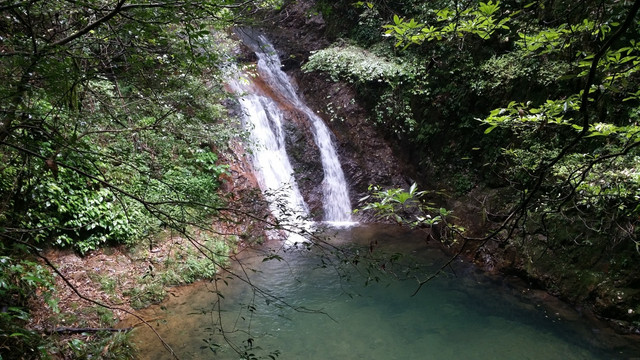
x=84, y=273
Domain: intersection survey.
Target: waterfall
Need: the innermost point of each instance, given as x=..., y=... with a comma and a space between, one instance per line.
x=275, y=175
x=271, y=161
x=262, y=102
x=336, y=203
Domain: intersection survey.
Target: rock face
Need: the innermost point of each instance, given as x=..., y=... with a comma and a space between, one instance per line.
x=366, y=157
x=305, y=157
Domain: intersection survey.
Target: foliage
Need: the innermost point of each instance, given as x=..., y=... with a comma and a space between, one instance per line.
x=103, y=345
x=595, y=168
x=20, y=280
x=112, y=124
x=509, y=71
x=403, y=207
x=392, y=104
x=369, y=24
x=479, y=20
x=187, y=262
x=563, y=37
x=106, y=145
x=355, y=64
x=432, y=96
x=557, y=136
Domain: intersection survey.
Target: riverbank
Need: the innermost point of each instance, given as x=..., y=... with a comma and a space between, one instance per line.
x=94, y=292
x=97, y=291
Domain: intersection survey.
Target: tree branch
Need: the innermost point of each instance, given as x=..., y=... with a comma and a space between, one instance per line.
x=543, y=168
x=36, y=252
x=91, y=26
x=73, y=330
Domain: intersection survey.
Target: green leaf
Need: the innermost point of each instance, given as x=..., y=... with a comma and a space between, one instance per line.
x=490, y=129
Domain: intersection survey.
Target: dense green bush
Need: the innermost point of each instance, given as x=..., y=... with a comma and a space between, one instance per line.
x=112, y=123
x=20, y=280
x=355, y=64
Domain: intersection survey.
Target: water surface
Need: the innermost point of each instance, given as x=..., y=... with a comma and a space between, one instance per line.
x=331, y=309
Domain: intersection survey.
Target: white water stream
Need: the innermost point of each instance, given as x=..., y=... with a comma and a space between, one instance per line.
x=336, y=203
x=274, y=170
x=264, y=116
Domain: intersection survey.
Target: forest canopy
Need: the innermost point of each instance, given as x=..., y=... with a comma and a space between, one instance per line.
x=112, y=125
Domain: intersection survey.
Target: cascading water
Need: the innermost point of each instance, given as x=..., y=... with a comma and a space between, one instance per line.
x=336, y=203
x=270, y=158
x=263, y=114
x=275, y=171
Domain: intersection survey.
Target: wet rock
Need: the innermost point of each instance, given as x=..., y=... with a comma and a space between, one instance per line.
x=305, y=158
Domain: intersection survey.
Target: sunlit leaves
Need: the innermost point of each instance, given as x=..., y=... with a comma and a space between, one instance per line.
x=559, y=38
x=524, y=115
x=402, y=206
x=619, y=66
x=356, y=65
